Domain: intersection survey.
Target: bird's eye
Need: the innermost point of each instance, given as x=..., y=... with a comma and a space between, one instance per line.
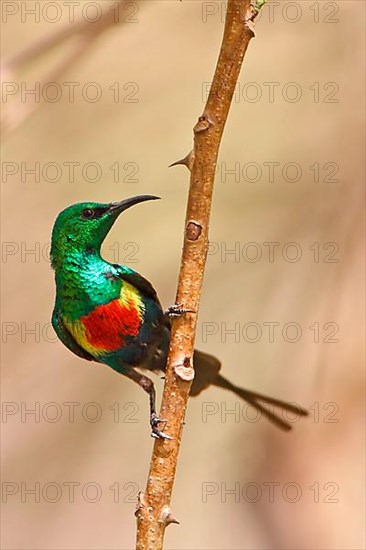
x=87, y=214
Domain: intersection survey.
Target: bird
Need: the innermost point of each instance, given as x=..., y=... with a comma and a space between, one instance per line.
x=110, y=314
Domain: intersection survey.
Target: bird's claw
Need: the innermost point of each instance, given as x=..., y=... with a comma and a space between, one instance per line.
x=177, y=310
x=155, y=432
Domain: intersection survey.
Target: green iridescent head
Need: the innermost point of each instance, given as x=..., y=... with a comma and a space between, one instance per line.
x=83, y=226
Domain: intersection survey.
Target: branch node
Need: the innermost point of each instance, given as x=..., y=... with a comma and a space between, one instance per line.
x=253, y=11
x=185, y=370
x=193, y=230
x=141, y=504
x=250, y=24
x=202, y=125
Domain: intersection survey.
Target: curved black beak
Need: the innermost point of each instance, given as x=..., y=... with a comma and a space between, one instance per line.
x=118, y=207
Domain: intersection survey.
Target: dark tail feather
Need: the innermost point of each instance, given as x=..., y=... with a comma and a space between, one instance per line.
x=207, y=369
x=254, y=399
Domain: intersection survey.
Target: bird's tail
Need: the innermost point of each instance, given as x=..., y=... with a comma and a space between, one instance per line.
x=207, y=374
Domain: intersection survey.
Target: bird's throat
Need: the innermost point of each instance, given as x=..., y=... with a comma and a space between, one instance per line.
x=82, y=283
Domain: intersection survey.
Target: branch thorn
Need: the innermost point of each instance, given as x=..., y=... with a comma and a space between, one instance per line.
x=167, y=516
x=186, y=161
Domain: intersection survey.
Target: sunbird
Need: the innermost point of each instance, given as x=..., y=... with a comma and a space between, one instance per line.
x=111, y=314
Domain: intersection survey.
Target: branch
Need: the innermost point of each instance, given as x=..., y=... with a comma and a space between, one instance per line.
x=153, y=512
x=84, y=35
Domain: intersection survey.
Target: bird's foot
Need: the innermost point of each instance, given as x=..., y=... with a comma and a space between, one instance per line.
x=177, y=310
x=155, y=432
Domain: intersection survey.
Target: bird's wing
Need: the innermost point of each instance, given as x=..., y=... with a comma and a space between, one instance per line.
x=67, y=339
x=144, y=286
x=138, y=281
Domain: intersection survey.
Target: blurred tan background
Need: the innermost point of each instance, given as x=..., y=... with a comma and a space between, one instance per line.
x=240, y=484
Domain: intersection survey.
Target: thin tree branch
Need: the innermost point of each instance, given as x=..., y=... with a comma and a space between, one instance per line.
x=84, y=35
x=153, y=512
x=81, y=28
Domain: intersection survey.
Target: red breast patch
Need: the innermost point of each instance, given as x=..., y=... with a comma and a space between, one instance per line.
x=107, y=325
